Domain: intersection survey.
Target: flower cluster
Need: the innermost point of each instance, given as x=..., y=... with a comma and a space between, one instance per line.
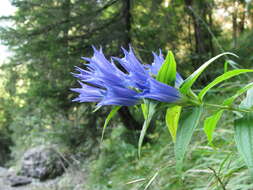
x=103, y=82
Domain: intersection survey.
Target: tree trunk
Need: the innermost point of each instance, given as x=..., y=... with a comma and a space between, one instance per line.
x=234, y=21
x=126, y=117
x=200, y=13
x=210, y=23
x=128, y=120
x=127, y=21
x=242, y=16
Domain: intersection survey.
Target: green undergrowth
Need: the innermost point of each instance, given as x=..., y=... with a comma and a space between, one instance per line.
x=205, y=167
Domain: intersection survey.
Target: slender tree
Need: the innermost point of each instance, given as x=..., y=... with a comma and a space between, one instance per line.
x=200, y=13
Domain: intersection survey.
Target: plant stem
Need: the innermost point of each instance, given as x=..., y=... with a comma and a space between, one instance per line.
x=228, y=107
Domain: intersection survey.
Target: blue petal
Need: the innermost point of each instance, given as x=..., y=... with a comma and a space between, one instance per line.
x=119, y=96
x=102, y=72
x=179, y=80
x=157, y=63
x=138, y=74
x=88, y=93
x=160, y=92
x=132, y=63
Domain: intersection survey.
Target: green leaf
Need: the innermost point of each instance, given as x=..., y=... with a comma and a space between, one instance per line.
x=150, y=112
x=211, y=122
x=244, y=132
x=172, y=118
x=185, y=132
x=222, y=78
x=244, y=139
x=186, y=86
x=230, y=100
x=210, y=125
x=167, y=73
x=108, y=118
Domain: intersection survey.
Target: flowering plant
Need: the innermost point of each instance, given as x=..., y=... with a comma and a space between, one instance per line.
x=127, y=82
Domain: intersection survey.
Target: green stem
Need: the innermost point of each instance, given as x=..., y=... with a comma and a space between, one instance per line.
x=228, y=107
x=151, y=111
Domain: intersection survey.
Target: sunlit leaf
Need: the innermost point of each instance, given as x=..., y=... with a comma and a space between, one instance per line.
x=184, y=133
x=167, y=73
x=109, y=117
x=186, y=86
x=210, y=125
x=172, y=118
x=222, y=78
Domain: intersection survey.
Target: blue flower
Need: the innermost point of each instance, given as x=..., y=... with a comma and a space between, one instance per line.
x=103, y=82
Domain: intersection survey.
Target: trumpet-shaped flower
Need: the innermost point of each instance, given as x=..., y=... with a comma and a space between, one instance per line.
x=103, y=82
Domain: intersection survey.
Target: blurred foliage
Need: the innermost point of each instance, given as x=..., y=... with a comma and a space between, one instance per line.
x=118, y=165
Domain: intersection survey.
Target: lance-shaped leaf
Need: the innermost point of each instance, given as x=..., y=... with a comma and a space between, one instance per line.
x=210, y=123
x=186, y=86
x=244, y=132
x=185, y=132
x=244, y=139
x=222, y=78
x=150, y=112
x=167, y=73
x=109, y=117
x=172, y=118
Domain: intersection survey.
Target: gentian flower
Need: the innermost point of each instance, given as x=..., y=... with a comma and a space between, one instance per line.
x=103, y=82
